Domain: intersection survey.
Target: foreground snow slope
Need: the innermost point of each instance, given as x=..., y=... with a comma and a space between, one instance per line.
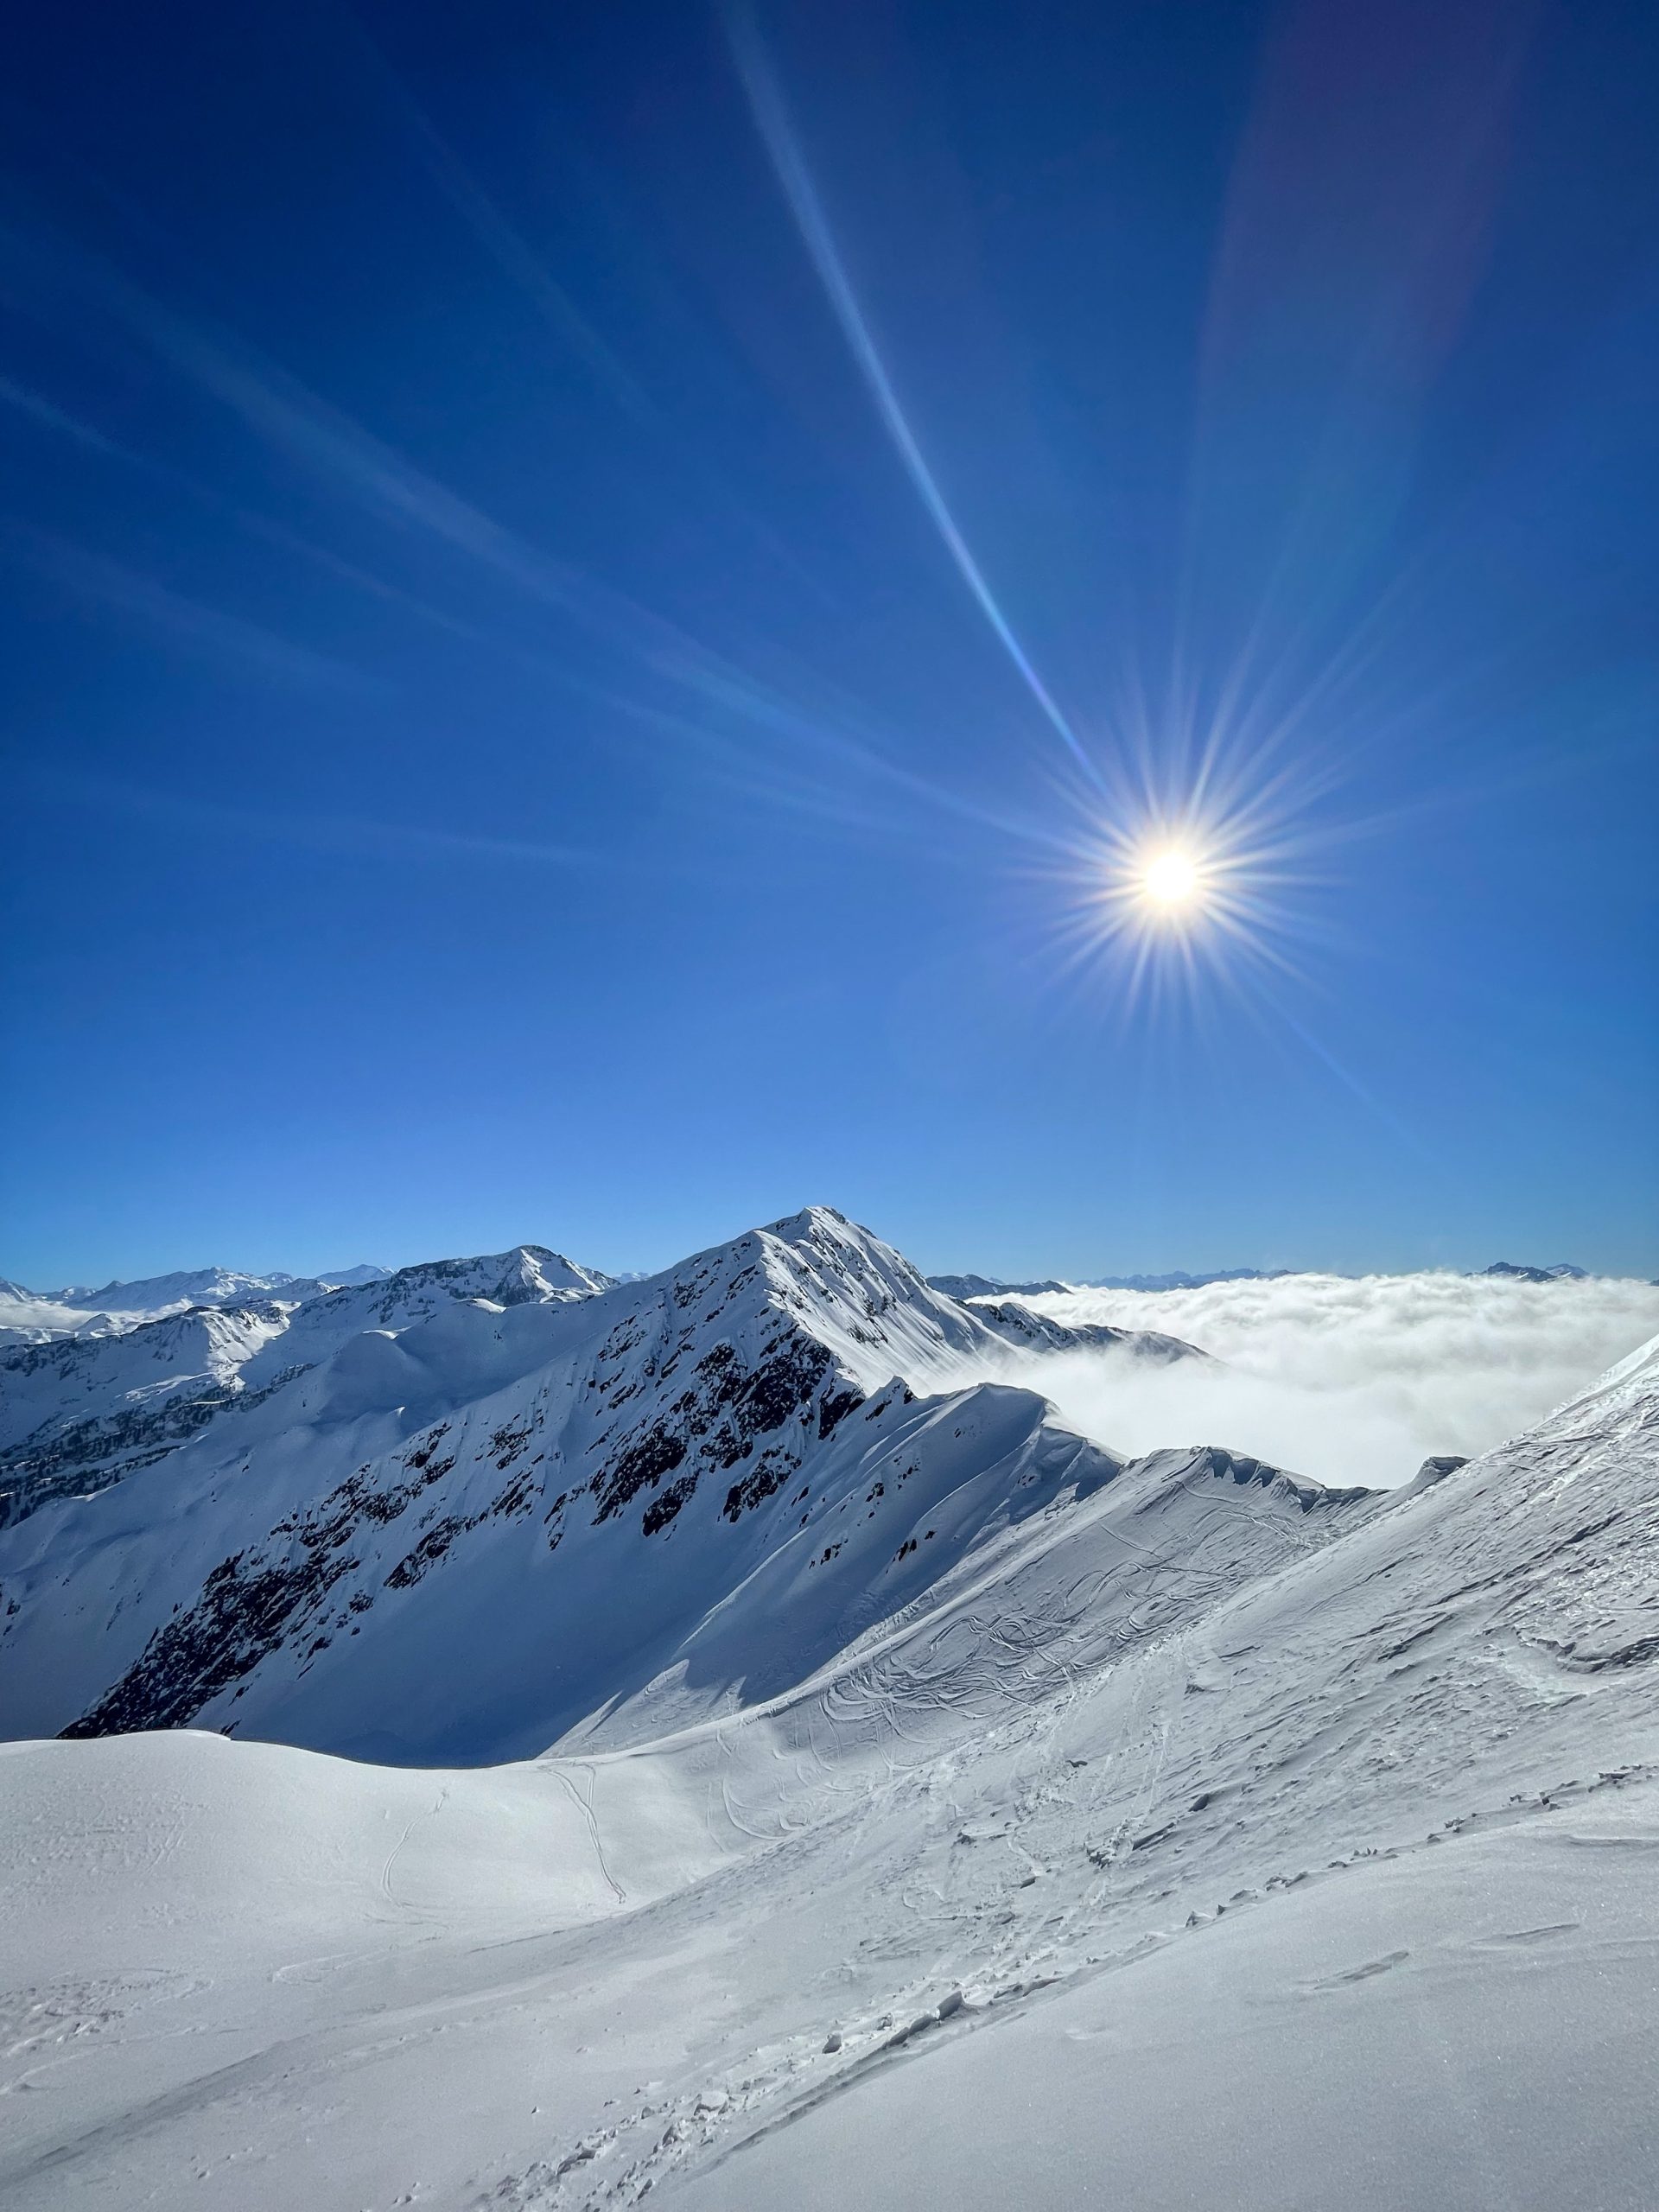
x=1195, y=1838
x=454, y=1536
x=1471, y=2027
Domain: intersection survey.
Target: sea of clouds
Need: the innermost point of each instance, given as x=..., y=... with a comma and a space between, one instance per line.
x=1346, y=1380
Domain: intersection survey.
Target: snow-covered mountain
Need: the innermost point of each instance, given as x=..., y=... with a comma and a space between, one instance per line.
x=79, y=1412
x=1018, y=1324
x=589, y=1471
x=33, y=1317
x=939, y=1808
x=1562, y=1271
x=186, y=1287
x=29, y=1317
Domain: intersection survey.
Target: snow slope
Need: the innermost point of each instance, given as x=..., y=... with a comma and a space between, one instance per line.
x=1182, y=1833
x=1469, y=2027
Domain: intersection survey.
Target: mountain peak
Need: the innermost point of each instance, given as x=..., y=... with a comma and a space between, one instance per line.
x=513, y=1416
x=1517, y=1271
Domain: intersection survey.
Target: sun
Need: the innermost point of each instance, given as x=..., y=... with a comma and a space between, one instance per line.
x=1169, y=880
x=1170, y=895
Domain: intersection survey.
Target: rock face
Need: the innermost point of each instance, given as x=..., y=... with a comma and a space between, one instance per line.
x=504, y=1501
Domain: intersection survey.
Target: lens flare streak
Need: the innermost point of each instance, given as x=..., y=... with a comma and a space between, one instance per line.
x=771, y=120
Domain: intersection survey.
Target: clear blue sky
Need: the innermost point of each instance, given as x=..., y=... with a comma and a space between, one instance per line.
x=579, y=585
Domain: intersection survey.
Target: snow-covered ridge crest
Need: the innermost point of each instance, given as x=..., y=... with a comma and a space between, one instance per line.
x=38, y=1317
x=29, y=1317
x=589, y=1475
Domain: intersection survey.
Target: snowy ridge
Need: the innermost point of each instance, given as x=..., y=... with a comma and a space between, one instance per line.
x=1020, y=1324
x=590, y=1475
x=30, y=1317
x=79, y=1412
x=1562, y=1271
x=964, y=1288
x=39, y=1316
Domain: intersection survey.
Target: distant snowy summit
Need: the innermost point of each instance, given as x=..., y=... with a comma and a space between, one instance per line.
x=966, y=1287
x=1563, y=1271
x=78, y=1310
x=81, y=1409
x=156, y=1295
x=32, y=1317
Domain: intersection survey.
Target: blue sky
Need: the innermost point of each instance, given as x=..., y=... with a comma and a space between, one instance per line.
x=593, y=600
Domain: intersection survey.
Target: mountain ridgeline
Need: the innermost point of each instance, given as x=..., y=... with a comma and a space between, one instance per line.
x=79, y=1409
x=454, y=1512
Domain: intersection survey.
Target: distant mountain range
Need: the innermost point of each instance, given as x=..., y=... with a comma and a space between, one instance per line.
x=79, y=1409
x=975, y=1287
x=37, y=1316
x=992, y=1287
x=1563, y=1271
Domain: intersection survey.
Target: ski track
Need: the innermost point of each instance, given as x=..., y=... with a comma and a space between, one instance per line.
x=584, y=1801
